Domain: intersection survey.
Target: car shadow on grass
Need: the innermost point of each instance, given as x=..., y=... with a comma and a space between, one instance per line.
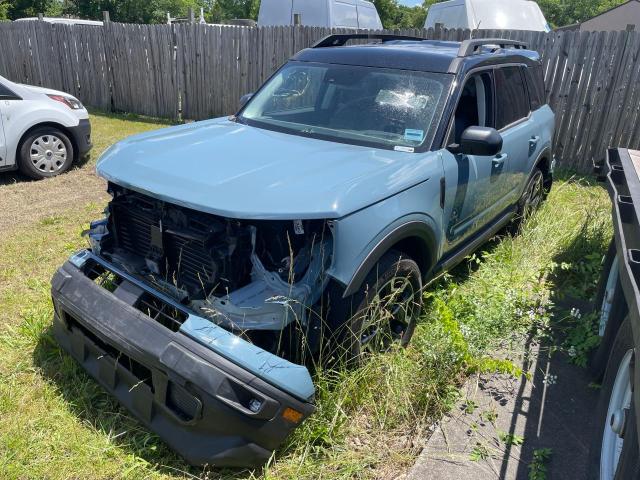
x=557, y=403
x=10, y=177
x=91, y=404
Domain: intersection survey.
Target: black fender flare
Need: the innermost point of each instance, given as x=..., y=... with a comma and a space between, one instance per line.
x=413, y=229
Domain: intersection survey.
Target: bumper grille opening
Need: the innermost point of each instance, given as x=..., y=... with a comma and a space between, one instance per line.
x=103, y=277
x=155, y=308
x=161, y=312
x=137, y=369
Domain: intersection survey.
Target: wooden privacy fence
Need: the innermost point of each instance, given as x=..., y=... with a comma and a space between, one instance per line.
x=200, y=71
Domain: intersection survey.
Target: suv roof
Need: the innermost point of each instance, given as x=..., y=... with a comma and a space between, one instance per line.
x=417, y=54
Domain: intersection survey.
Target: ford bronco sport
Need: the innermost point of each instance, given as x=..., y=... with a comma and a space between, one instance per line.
x=232, y=248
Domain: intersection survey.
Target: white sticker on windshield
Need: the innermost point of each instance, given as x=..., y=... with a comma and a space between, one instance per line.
x=400, y=148
x=411, y=135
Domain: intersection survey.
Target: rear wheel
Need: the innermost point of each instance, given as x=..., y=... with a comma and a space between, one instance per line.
x=614, y=450
x=531, y=199
x=383, y=313
x=45, y=152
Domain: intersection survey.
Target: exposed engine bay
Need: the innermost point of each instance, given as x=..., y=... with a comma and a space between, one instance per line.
x=254, y=278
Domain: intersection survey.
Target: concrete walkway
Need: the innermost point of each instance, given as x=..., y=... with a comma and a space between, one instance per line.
x=481, y=439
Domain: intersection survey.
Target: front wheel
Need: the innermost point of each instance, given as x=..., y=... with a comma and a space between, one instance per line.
x=45, y=152
x=384, y=312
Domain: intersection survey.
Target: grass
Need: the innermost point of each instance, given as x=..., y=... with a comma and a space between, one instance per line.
x=25, y=202
x=55, y=422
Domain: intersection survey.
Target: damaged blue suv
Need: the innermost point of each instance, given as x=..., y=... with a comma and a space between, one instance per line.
x=235, y=251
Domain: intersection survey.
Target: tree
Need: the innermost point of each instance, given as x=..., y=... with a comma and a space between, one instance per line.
x=4, y=10
x=393, y=15
x=227, y=9
x=31, y=8
x=566, y=12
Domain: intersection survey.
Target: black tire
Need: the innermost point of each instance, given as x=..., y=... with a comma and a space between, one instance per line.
x=360, y=324
x=532, y=197
x=600, y=356
x=28, y=168
x=628, y=466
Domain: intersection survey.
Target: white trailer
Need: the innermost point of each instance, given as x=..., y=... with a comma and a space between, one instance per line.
x=487, y=14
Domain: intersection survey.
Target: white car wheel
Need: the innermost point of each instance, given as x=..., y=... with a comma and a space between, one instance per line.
x=619, y=403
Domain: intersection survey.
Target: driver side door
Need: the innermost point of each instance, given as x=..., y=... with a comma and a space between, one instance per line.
x=476, y=187
x=3, y=143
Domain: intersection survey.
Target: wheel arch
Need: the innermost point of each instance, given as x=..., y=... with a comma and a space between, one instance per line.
x=414, y=238
x=543, y=162
x=56, y=125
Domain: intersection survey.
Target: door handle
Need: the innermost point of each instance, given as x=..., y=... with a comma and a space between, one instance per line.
x=498, y=160
x=533, y=141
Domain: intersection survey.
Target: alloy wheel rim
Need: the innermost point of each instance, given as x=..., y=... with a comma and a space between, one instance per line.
x=612, y=436
x=48, y=153
x=533, y=195
x=607, y=300
x=388, y=315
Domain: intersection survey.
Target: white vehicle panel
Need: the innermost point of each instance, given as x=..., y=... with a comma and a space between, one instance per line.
x=345, y=15
x=30, y=108
x=453, y=16
x=3, y=145
x=368, y=16
x=320, y=13
x=488, y=14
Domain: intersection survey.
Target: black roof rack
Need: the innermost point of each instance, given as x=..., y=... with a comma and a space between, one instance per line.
x=469, y=47
x=339, y=39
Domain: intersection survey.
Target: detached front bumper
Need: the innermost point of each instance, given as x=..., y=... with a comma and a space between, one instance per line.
x=204, y=406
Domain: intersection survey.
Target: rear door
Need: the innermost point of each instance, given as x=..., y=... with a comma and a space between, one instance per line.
x=515, y=124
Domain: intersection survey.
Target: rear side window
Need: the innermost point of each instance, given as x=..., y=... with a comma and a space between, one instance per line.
x=535, y=85
x=511, y=94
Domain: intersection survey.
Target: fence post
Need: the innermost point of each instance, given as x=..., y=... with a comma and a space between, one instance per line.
x=41, y=17
x=438, y=31
x=192, y=17
x=105, y=16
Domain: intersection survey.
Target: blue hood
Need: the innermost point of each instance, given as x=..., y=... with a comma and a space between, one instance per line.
x=233, y=170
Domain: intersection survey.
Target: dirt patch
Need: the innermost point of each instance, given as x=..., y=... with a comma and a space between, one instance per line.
x=25, y=202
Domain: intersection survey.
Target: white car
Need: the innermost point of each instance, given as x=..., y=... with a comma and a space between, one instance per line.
x=42, y=131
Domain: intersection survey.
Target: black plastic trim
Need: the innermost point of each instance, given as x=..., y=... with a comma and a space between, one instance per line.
x=213, y=426
x=469, y=47
x=339, y=39
x=410, y=229
x=81, y=137
x=623, y=186
x=451, y=259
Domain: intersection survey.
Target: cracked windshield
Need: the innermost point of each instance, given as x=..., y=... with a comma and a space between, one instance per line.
x=360, y=105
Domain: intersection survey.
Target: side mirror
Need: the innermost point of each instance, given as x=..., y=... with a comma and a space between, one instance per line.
x=483, y=141
x=245, y=98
